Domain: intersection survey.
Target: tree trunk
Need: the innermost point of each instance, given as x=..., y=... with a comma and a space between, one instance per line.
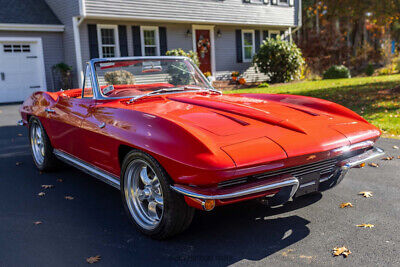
x=358, y=34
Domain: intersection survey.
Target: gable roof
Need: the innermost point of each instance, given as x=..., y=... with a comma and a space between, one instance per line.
x=27, y=12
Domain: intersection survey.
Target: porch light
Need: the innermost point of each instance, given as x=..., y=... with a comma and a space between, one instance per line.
x=188, y=33
x=219, y=34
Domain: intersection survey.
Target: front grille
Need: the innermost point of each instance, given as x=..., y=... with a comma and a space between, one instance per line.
x=325, y=167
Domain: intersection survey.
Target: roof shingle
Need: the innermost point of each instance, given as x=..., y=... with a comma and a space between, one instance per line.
x=27, y=12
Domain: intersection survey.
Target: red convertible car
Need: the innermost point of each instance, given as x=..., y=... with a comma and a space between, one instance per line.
x=156, y=129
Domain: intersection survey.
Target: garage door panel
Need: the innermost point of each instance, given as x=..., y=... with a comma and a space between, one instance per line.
x=22, y=70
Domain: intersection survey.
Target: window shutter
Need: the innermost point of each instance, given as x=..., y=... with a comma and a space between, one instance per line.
x=265, y=35
x=239, y=55
x=162, y=31
x=93, y=41
x=257, y=40
x=123, y=40
x=291, y=2
x=137, y=44
x=274, y=2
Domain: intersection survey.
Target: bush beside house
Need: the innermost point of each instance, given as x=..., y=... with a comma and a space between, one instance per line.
x=279, y=59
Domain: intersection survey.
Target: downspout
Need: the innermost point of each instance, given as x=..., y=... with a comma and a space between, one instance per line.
x=76, y=22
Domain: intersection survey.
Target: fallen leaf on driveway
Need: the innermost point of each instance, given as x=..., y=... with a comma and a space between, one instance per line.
x=69, y=198
x=345, y=205
x=388, y=158
x=341, y=251
x=398, y=157
x=362, y=165
x=47, y=186
x=37, y=223
x=94, y=259
x=41, y=194
x=365, y=225
x=18, y=163
x=395, y=147
x=373, y=165
x=366, y=193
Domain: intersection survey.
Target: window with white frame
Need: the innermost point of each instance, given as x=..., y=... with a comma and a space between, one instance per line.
x=248, y=45
x=108, y=40
x=150, y=41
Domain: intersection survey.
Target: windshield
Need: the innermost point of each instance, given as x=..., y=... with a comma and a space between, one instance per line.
x=133, y=78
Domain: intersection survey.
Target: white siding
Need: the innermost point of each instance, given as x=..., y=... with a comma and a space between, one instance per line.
x=196, y=11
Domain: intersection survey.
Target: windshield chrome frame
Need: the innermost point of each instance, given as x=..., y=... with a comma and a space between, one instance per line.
x=96, y=88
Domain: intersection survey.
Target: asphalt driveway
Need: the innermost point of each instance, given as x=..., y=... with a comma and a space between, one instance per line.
x=94, y=223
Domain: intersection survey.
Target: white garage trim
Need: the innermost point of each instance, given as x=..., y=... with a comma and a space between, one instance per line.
x=31, y=27
x=37, y=40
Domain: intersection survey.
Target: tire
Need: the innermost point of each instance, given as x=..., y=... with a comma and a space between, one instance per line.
x=41, y=149
x=152, y=206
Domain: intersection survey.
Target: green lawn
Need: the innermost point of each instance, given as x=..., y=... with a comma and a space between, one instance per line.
x=377, y=99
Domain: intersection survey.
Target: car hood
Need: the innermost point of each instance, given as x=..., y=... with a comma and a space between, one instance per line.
x=251, y=130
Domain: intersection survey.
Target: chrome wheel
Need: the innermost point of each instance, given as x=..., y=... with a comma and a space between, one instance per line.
x=37, y=143
x=143, y=194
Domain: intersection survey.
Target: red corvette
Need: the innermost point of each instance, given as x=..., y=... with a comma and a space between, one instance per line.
x=155, y=128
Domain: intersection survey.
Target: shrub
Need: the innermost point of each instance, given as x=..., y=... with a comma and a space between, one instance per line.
x=180, y=52
x=119, y=77
x=62, y=75
x=263, y=85
x=369, y=70
x=389, y=70
x=279, y=59
x=337, y=72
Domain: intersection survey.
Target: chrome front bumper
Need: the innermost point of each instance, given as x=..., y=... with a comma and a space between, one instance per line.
x=288, y=185
x=357, y=160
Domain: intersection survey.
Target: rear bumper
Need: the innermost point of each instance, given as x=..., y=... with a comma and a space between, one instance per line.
x=278, y=189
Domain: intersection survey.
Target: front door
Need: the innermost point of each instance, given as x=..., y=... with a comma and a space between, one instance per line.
x=203, y=48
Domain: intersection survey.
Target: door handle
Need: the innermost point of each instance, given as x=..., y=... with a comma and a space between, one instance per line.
x=49, y=110
x=2, y=76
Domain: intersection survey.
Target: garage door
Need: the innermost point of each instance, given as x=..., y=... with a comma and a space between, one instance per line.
x=21, y=70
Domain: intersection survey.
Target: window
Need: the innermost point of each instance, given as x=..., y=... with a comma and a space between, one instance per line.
x=108, y=40
x=87, y=91
x=248, y=45
x=16, y=48
x=150, y=41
